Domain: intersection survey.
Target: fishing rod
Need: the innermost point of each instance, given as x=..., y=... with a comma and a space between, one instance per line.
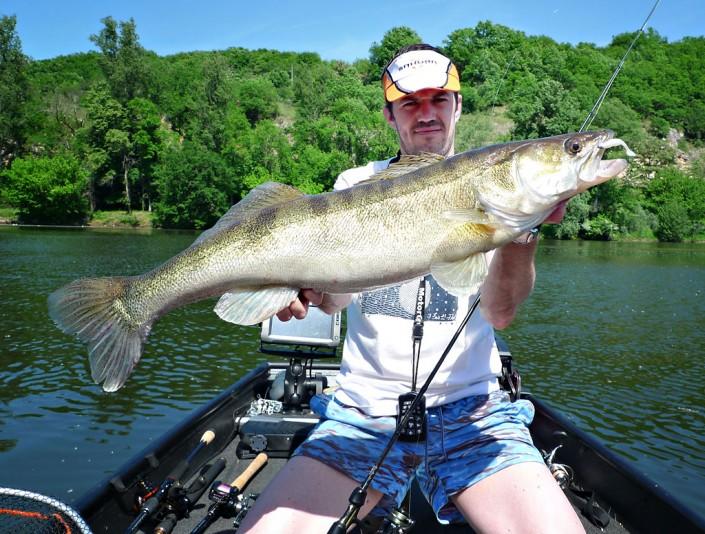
x=593, y=112
x=228, y=499
x=182, y=501
x=359, y=494
x=174, y=478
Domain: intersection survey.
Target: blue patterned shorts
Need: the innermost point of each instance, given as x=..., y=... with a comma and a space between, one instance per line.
x=467, y=440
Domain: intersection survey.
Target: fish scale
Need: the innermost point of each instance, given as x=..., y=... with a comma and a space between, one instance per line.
x=422, y=215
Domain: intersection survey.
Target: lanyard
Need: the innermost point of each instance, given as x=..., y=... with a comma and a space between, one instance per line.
x=417, y=331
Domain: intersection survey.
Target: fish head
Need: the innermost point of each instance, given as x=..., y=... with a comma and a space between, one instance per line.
x=544, y=172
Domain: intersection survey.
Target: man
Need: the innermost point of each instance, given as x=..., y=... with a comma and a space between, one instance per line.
x=477, y=461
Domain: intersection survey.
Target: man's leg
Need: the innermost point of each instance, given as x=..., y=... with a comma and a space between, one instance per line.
x=520, y=498
x=305, y=496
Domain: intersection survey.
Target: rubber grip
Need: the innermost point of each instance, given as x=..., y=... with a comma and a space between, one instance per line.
x=240, y=482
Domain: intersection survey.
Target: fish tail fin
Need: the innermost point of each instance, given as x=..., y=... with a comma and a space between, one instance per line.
x=94, y=310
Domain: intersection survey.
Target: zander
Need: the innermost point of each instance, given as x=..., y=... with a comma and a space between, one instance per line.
x=422, y=215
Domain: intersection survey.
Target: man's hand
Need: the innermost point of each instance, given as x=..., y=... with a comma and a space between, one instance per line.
x=299, y=307
x=326, y=302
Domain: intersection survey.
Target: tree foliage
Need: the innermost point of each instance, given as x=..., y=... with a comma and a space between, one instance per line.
x=123, y=59
x=190, y=134
x=14, y=92
x=47, y=190
x=381, y=53
x=194, y=188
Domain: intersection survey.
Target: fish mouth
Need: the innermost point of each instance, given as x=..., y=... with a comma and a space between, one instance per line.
x=607, y=169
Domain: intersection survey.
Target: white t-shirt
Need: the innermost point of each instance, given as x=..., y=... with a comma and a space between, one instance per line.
x=377, y=354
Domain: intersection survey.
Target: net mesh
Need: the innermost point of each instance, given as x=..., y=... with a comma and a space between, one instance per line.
x=26, y=512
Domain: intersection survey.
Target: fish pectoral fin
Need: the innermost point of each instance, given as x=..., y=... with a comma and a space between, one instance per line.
x=250, y=306
x=458, y=263
x=263, y=196
x=463, y=277
x=407, y=163
x=476, y=216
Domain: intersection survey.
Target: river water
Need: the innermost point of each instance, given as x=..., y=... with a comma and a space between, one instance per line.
x=614, y=336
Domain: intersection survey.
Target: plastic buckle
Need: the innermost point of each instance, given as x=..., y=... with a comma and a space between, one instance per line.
x=514, y=382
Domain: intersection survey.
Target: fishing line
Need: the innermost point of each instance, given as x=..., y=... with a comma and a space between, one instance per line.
x=501, y=81
x=593, y=112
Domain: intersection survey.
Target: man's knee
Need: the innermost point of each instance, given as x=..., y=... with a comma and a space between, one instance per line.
x=524, y=497
x=306, y=495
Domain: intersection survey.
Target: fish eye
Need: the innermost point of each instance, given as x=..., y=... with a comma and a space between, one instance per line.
x=573, y=146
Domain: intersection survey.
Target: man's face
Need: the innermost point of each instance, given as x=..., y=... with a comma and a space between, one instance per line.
x=425, y=121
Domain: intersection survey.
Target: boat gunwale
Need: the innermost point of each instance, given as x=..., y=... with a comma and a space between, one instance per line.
x=634, y=499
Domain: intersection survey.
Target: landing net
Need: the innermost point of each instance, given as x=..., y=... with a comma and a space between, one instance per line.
x=31, y=513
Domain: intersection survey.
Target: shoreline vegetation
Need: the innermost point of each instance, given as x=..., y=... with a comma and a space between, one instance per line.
x=143, y=220
x=100, y=219
x=97, y=136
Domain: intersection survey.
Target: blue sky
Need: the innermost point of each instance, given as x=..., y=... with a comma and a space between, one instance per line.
x=333, y=28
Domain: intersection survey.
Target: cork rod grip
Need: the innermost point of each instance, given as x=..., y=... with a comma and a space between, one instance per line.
x=241, y=481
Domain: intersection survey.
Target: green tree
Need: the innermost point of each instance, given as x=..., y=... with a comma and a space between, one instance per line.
x=211, y=97
x=381, y=53
x=257, y=98
x=490, y=58
x=599, y=228
x=577, y=213
x=620, y=118
x=679, y=202
x=123, y=144
x=671, y=183
x=47, y=190
x=674, y=225
x=14, y=92
x=124, y=61
x=315, y=171
x=543, y=108
x=195, y=188
x=99, y=137
x=270, y=154
x=694, y=124
x=145, y=140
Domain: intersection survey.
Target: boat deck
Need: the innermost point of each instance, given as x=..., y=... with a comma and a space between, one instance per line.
x=633, y=502
x=425, y=521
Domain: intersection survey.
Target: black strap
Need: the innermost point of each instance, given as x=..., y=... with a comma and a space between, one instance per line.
x=417, y=331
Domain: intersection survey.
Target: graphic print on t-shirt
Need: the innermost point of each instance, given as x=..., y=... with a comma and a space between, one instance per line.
x=400, y=301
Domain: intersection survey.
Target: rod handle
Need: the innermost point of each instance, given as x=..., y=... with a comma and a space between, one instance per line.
x=241, y=481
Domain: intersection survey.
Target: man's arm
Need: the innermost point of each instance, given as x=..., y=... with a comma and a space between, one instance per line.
x=509, y=282
x=511, y=277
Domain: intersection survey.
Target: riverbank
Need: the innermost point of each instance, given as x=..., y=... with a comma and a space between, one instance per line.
x=143, y=220
x=121, y=219
x=100, y=219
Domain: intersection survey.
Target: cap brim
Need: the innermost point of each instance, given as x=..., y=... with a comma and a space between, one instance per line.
x=418, y=80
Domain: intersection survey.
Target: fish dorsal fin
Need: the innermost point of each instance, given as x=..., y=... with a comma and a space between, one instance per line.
x=249, y=306
x=458, y=263
x=407, y=163
x=262, y=196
